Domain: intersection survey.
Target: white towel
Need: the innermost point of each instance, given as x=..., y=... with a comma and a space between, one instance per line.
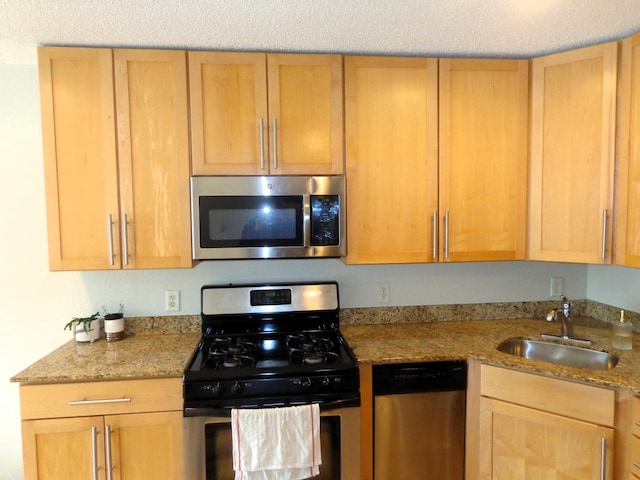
x=276, y=443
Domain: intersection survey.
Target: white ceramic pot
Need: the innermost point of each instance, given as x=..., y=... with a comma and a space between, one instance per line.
x=91, y=334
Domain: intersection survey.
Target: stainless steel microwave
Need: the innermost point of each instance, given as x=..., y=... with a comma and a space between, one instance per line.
x=267, y=217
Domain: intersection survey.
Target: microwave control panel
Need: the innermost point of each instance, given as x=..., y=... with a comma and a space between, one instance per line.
x=325, y=220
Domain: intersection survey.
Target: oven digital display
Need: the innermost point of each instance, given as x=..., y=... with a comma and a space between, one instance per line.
x=271, y=297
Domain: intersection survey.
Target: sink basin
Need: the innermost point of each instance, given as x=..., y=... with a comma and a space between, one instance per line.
x=559, y=354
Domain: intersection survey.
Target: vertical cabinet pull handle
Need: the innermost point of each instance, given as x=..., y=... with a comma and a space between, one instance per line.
x=107, y=448
x=261, y=135
x=275, y=144
x=110, y=239
x=94, y=452
x=604, y=234
x=125, y=240
x=434, y=241
x=603, y=457
x=446, y=234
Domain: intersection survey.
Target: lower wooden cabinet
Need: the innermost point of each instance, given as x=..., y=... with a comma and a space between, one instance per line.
x=127, y=441
x=523, y=426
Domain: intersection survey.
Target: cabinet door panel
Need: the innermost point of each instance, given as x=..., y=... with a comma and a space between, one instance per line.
x=572, y=154
x=147, y=445
x=391, y=108
x=151, y=95
x=483, y=158
x=305, y=100
x=228, y=93
x=62, y=448
x=78, y=123
x=627, y=251
x=527, y=444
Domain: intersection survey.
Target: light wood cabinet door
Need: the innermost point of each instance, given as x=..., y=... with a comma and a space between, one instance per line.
x=64, y=448
x=146, y=445
x=521, y=443
x=258, y=114
x=573, y=109
x=483, y=159
x=79, y=141
x=627, y=222
x=391, y=124
x=153, y=150
x=305, y=114
x=228, y=108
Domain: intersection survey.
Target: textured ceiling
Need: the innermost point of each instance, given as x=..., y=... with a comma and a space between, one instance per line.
x=507, y=28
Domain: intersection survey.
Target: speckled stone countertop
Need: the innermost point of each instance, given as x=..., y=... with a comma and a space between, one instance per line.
x=478, y=339
x=161, y=346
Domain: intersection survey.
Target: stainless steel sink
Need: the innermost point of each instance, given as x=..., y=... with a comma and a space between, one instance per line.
x=559, y=354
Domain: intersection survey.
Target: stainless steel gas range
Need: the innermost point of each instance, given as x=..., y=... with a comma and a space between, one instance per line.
x=267, y=346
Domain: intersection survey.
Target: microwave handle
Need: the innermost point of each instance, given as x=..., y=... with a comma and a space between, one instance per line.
x=306, y=220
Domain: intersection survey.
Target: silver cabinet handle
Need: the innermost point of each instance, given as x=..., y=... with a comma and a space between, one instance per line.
x=98, y=402
x=110, y=238
x=603, y=457
x=636, y=464
x=434, y=241
x=94, y=452
x=125, y=240
x=604, y=234
x=275, y=144
x=107, y=449
x=261, y=135
x=446, y=234
x=638, y=423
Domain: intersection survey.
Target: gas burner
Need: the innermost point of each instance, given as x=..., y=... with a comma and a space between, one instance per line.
x=310, y=342
x=232, y=346
x=304, y=357
x=223, y=360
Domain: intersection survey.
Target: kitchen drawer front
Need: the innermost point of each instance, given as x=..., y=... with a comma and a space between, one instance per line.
x=635, y=428
x=634, y=466
x=100, y=398
x=562, y=397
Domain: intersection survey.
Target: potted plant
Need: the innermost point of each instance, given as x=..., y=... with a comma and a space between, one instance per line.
x=85, y=329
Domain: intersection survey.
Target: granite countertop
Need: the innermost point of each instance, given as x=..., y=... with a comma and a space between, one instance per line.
x=146, y=355
x=478, y=339
x=134, y=357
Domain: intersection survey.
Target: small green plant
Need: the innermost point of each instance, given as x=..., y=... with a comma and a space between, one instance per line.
x=83, y=322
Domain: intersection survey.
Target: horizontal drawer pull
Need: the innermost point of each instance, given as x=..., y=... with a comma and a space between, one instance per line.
x=637, y=423
x=636, y=464
x=96, y=402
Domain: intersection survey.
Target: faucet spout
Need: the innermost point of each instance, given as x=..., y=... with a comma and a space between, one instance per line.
x=566, y=325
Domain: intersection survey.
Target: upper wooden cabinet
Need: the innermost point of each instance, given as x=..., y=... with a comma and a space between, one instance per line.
x=257, y=114
x=572, y=155
x=391, y=116
x=153, y=153
x=627, y=220
x=483, y=159
x=412, y=200
x=88, y=201
x=79, y=141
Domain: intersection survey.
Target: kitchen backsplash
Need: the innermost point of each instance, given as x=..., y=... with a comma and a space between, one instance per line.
x=409, y=314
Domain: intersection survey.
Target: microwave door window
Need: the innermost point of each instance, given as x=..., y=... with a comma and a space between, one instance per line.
x=251, y=221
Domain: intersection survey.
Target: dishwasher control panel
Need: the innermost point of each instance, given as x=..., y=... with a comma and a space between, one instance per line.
x=439, y=376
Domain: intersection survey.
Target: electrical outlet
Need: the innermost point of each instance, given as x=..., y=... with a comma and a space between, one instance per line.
x=383, y=293
x=557, y=287
x=172, y=300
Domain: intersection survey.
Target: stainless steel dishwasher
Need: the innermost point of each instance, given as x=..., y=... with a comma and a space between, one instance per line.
x=419, y=418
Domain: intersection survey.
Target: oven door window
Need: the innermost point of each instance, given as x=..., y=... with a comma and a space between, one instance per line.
x=251, y=221
x=218, y=450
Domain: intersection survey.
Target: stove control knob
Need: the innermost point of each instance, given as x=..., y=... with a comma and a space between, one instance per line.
x=237, y=387
x=217, y=388
x=325, y=381
x=306, y=383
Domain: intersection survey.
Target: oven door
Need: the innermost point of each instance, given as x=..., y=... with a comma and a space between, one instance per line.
x=208, y=450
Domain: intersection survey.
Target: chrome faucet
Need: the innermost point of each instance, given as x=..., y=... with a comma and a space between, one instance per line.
x=563, y=315
x=566, y=327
